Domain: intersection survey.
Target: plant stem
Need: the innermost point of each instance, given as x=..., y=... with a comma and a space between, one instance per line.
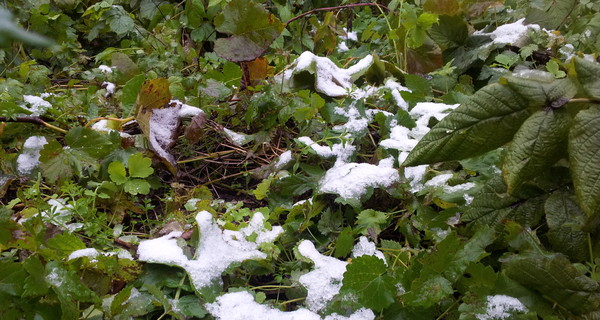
x=346, y=6
x=36, y=120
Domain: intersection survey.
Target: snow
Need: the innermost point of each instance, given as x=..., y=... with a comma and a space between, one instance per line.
x=356, y=122
x=329, y=78
x=185, y=109
x=352, y=180
x=87, y=252
x=238, y=139
x=501, y=307
x=30, y=158
x=37, y=105
x=325, y=281
x=105, y=68
x=216, y=251
x=284, y=159
x=109, y=87
x=439, y=180
x=164, y=122
x=366, y=247
x=342, y=47
x=60, y=215
x=396, y=88
x=342, y=151
x=512, y=33
x=241, y=306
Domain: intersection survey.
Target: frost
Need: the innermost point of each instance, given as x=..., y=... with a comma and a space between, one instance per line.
x=501, y=307
x=37, y=105
x=325, y=281
x=366, y=247
x=30, y=158
x=352, y=180
x=241, y=306
x=238, y=139
x=54, y=278
x=216, y=251
x=329, y=78
x=105, y=68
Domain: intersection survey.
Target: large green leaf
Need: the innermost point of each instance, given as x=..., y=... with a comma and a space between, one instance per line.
x=565, y=220
x=449, y=32
x=588, y=74
x=492, y=205
x=91, y=141
x=485, y=122
x=584, y=148
x=542, y=89
x=366, y=277
x=552, y=14
x=556, y=278
x=252, y=29
x=538, y=144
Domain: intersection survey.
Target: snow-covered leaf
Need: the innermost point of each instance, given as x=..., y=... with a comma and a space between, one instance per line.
x=367, y=278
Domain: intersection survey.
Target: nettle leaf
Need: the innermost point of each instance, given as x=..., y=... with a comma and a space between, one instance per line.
x=556, y=278
x=486, y=121
x=139, y=166
x=366, y=277
x=565, y=220
x=492, y=205
x=542, y=88
x=539, y=143
x=252, y=29
x=584, y=147
x=588, y=74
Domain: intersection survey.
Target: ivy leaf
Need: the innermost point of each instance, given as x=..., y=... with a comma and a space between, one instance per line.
x=565, y=220
x=555, y=277
x=366, y=278
x=117, y=172
x=538, y=144
x=486, y=121
x=139, y=166
x=588, y=74
x=584, y=147
x=252, y=27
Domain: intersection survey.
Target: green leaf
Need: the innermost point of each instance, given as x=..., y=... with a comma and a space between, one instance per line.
x=119, y=21
x=344, y=243
x=11, y=278
x=553, y=67
x=139, y=166
x=553, y=15
x=450, y=32
x=252, y=27
x=35, y=284
x=556, y=278
x=486, y=121
x=65, y=243
x=130, y=92
x=136, y=186
x=542, y=89
x=366, y=277
x=190, y=306
x=584, y=147
x=262, y=189
x=492, y=205
x=90, y=141
x=565, y=220
x=539, y=143
x=371, y=219
x=430, y=291
x=588, y=74
x=117, y=172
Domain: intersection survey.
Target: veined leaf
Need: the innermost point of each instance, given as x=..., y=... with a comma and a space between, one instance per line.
x=366, y=277
x=588, y=74
x=542, y=88
x=139, y=166
x=252, y=29
x=492, y=204
x=555, y=277
x=485, y=122
x=565, y=220
x=538, y=144
x=584, y=147
x=554, y=15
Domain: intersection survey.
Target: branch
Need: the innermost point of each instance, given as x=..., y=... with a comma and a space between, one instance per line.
x=36, y=120
x=346, y=6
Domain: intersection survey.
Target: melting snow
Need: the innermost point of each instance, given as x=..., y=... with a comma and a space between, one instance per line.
x=105, y=68
x=501, y=307
x=238, y=139
x=87, y=252
x=37, y=105
x=216, y=251
x=512, y=33
x=185, y=109
x=366, y=247
x=241, y=306
x=30, y=158
x=342, y=151
x=110, y=88
x=284, y=159
x=60, y=215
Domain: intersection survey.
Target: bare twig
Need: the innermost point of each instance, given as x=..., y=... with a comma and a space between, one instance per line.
x=346, y=6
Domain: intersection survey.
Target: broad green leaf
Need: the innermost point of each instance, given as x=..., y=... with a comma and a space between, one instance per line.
x=584, y=147
x=190, y=306
x=130, y=91
x=65, y=243
x=90, y=141
x=449, y=32
x=486, y=121
x=539, y=143
x=11, y=278
x=119, y=21
x=366, y=277
x=553, y=15
x=542, y=88
x=565, y=220
x=9, y=31
x=117, y=172
x=430, y=291
x=194, y=12
x=344, y=243
x=371, y=219
x=252, y=29
x=556, y=278
x=35, y=284
x=588, y=74
x=139, y=166
x=67, y=284
x=492, y=205
x=136, y=186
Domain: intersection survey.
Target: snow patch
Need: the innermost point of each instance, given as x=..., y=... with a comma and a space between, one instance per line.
x=238, y=139
x=36, y=105
x=366, y=247
x=342, y=151
x=30, y=158
x=501, y=307
x=105, y=69
x=284, y=159
x=109, y=87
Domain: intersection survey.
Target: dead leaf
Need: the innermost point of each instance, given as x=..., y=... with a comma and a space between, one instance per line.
x=194, y=131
